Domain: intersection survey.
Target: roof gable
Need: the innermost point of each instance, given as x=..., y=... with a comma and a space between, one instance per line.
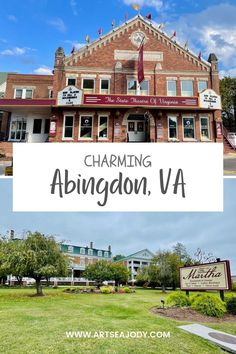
x=144, y=254
x=151, y=29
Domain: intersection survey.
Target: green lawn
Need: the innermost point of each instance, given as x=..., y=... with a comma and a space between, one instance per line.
x=38, y=324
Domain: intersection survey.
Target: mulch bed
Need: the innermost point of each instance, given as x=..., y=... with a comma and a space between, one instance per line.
x=189, y=315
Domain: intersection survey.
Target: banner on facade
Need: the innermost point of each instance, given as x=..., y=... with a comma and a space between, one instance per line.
x=118, y=177
x=209, y=276
x=150, y=101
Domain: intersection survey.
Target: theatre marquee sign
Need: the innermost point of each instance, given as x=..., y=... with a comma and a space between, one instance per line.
x=209, y=99
x=210, y=276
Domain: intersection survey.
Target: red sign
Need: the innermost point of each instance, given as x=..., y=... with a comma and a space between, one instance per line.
x=150, y=101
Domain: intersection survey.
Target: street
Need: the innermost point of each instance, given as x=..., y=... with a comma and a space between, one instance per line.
x=230, y=165
x=4, y=164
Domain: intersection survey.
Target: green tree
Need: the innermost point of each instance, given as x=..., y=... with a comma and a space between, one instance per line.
x=37, y=257
x=118, y=257
x=163, y=268
x=119, y=273
x=228, y=95
x=99, y=272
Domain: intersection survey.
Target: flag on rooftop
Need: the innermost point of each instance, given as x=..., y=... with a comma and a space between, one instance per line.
x=73, y=50
x=126, y=17
x=113, y=24
x=173, y=35
x=161, y=26
x=87, y=39
x=200, y=56
x=149, y=16
x=136, y=7
x=100, y=31
x=186, y=45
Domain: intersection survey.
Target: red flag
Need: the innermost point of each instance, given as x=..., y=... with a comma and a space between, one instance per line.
x=149, y=16
x=173, y=35
x=73, y=50
x=140, y=65
x=100, y=31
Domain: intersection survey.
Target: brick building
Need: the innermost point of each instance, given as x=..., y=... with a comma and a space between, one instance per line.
x=94, y=95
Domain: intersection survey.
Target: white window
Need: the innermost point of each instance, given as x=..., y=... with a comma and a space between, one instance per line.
x=205, y=131
x=82, y=251
x=189, y=127
x=86, y=127
x=99, y=253
x=23, y=93
x=71, y=81
x=68, y=127
x=88, y=85
x=70, y=249
x=18, y=129
x=106, y=254
x=132, y=87
x=102, y=127
x=90, y=260
x=82, y=262
x=173, y=127
x=105, y=86
x=187, y=88
x=202, y=85
x=90, y=252
x=171, y=88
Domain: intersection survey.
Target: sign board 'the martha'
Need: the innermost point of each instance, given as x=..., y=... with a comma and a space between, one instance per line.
x=209, y=276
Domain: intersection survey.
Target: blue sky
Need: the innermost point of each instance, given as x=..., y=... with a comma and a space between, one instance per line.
x=31, y=30
x=131, y=232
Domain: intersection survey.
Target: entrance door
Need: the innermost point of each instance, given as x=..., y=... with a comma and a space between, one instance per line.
x=18, y=130
x=136, y=130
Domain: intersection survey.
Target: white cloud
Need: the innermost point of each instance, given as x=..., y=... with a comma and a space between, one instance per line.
x=73, y=5
x=157, y=4
x=16, y=51
x=58, y=23
x=12, y=18
x=230, y=72
x=212, y=30
x=43, y=70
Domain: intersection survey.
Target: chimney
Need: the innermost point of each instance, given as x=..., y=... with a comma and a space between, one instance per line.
x=109, y=248
x=11, y=234
x=91, y=244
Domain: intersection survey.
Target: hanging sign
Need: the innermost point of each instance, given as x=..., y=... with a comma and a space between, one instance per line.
x=209, y=99
x=70, y=96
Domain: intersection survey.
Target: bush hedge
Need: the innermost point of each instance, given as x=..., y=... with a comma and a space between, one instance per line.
x=208, y=305
x=231, y=305
x=178, y=299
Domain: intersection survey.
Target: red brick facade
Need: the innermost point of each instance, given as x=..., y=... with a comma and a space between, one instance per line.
x=112, y=60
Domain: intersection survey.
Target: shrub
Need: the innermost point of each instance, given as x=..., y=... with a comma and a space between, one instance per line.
x=209, y=305
x=107, y=289
x=234, y=287
x=231, y=305
x=178, y=298
x=127, y=290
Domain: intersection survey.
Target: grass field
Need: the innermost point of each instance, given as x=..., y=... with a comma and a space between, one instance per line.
x=31, y=324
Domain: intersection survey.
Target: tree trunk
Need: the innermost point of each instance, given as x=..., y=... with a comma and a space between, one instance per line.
x=163, y=288
x=39, y=291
